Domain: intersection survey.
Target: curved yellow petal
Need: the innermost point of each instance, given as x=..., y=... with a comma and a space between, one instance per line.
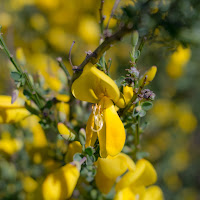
x=94, y=84
x=115, y=133
x=150, y=75
x=113, y=167
x=65, y=132
x=143, y=175
x=125, y=194
x=128, y=93
x=154, y=193
x=91, y=136
x=103, y=183
x=60, y=184
x=121, y=103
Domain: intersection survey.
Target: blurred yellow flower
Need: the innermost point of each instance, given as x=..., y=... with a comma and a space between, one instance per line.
x=65, y=132
x=60, y=184
x=133, y=184
x=5, y=19
x=109, y=168
x=89, y=30
x=153, y=193
x=73, y=148
x=11, y=113
x=10, y=145
x=186, y=120
x=143, y=175
x=29, y=184
x=177, y=62
x=47, y=4
x=149, y=74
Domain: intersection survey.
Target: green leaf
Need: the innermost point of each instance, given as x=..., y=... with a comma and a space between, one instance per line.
x=142, y=113
x=15, y=76
x=82, y=139
x=141, y=155
x=77, y=157
x=119, y=81
x=89, y=151
x=135, y=112
x=147, y=105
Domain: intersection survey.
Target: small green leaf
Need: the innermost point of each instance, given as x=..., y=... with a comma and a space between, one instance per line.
x=147, y=105
x=141, y=155
x=142, y=113
x=82, y=139
x=119, y=81
x=89, y=151
x=77, y=157
x=135, y=112
x=15, y=76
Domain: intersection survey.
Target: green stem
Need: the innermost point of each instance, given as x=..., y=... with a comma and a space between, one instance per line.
x=19, y=69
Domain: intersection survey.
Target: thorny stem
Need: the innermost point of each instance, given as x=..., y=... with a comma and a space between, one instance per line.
x=19, y=69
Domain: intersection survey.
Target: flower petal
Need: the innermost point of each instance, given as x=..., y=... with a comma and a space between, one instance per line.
x=93, y=84
x=153, y=192
x=125, y=194
x=143, y=175
x=115, y=133
x=60, y=184
x=91, y=136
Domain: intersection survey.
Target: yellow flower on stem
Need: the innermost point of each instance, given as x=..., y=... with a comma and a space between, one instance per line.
x=11, y=113
x=109, y=168
x=60, y=184
x=95, y=86
x=149, y=74
x=133, y=184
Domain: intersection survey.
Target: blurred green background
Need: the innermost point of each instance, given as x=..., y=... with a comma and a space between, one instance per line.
x=45, y=30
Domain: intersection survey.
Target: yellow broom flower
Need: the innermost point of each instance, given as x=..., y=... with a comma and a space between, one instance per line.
x=108, y=169
x=96, y=87
x=60, y=184
x=11, y=113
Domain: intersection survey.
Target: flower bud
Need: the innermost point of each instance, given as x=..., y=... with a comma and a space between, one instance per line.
x=65, y=132
x=150, y=74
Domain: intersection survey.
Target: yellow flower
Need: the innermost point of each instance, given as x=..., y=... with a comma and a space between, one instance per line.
x=143, y=175
x=73, y=148
x=10, y=145
x=65, y=132
x=154, y=193
x=60, y=184
x=133, y=184
x=11, y=113
x=29, y=184
x=105, y=123
x=96, y=87
x=177, y=62
x=125, y=194
x=150, y=74
x=108, y=169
